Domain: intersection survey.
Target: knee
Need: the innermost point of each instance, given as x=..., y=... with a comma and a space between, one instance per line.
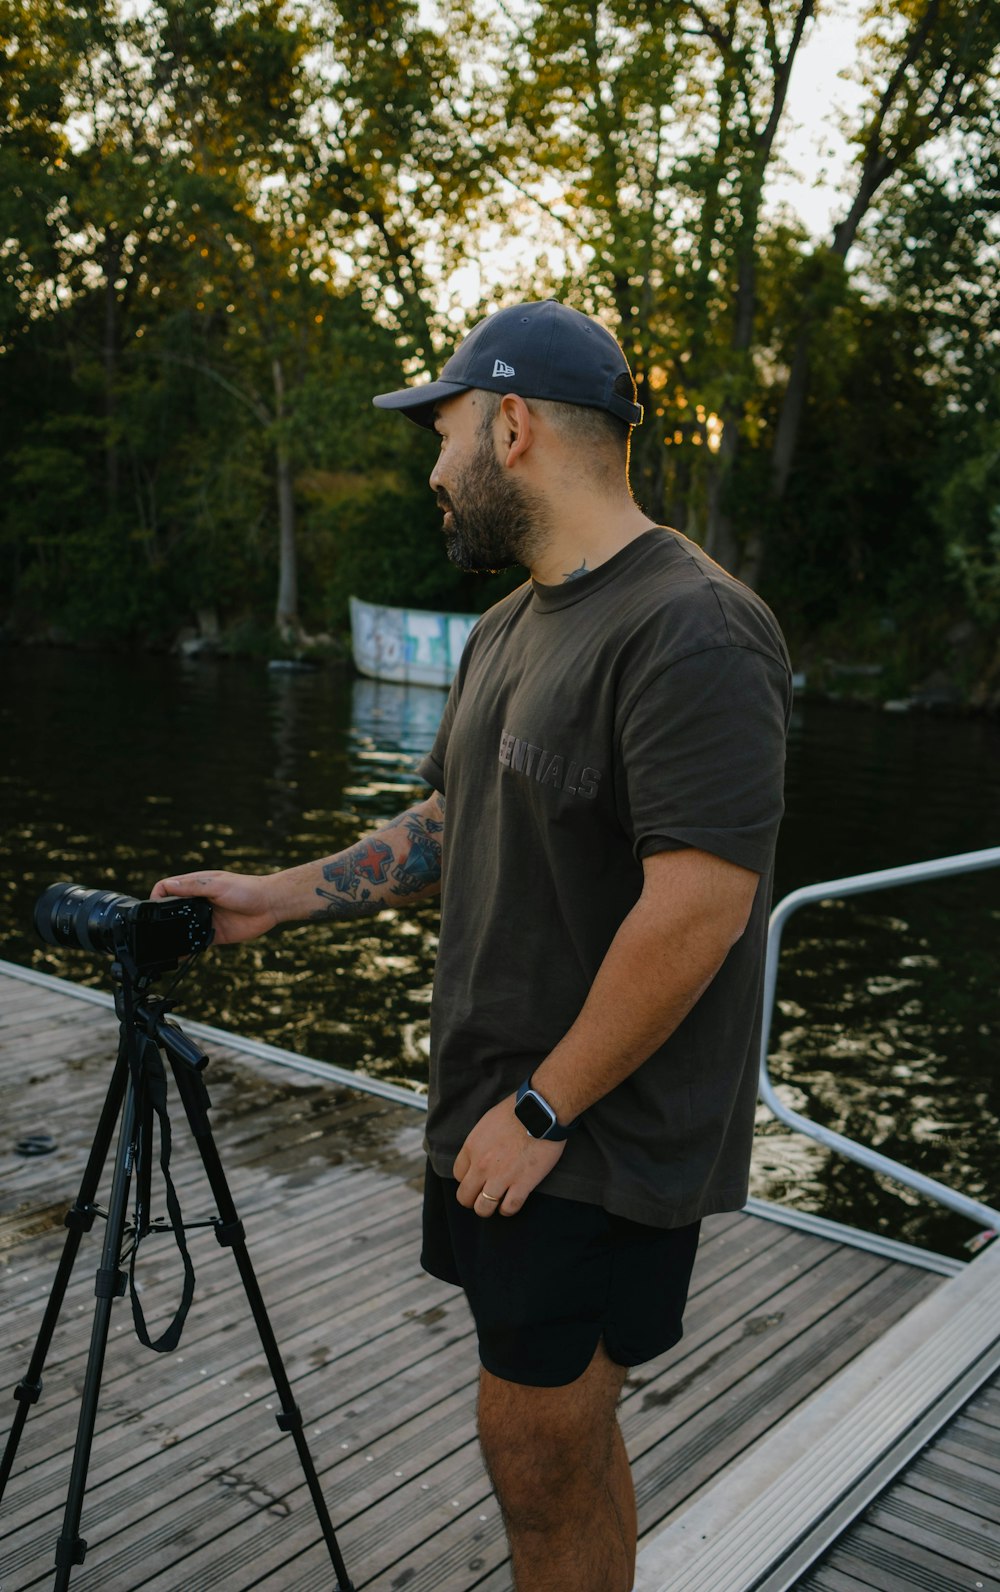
x=533, y=1479
x=539, y=1467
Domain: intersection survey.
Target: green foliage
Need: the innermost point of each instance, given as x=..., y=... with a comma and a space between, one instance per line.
x=223, y=226
x=968, y=513
x=935, y=253
x=206, y=250
x=857, y=507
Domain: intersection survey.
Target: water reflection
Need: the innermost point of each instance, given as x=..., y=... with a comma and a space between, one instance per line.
x=392, y=728
x=400, y=719
x=888, y=1011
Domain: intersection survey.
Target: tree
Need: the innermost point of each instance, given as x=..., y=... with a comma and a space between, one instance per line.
x=647, y=134
x=313, y=190
x=934, y=258
x=930, y=71
x=218, y=184
x=36, y=65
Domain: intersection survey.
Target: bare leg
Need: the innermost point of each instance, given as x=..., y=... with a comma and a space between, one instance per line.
x=623, y=1501
x=558, y=1463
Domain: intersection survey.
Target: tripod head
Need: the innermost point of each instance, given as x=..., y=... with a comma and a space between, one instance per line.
x=150, y=1017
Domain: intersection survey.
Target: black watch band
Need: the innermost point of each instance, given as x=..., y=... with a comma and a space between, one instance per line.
x=536, y=1116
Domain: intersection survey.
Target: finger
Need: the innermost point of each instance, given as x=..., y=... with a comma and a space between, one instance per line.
x=463, y=1161
x=179, y=885
x=487, y=1204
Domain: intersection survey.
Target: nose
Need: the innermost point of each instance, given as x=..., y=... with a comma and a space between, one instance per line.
x=435, y=479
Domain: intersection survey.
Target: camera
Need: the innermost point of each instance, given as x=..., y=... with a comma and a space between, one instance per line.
x=154, y=934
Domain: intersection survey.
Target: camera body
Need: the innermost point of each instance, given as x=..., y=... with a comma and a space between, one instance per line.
x=155, y=935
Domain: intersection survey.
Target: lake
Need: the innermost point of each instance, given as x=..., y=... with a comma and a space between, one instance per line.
x=120, y=769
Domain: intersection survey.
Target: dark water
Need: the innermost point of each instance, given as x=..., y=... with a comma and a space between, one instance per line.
x=118, y=770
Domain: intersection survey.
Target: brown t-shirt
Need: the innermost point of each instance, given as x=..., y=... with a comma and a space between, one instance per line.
x=639, y=708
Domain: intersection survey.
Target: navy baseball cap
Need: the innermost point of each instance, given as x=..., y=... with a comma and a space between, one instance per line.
x=541, y=350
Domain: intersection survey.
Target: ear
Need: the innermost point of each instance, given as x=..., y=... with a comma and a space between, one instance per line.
x=515, y=427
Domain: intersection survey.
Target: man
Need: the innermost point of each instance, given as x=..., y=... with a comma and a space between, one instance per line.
x=611, y=754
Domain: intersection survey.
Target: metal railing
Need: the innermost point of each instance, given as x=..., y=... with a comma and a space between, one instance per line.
x=859, y=884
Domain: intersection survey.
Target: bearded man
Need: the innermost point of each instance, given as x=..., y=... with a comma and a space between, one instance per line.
x=611, y=754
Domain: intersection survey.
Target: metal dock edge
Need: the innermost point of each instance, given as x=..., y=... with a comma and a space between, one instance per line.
x=798, y=1487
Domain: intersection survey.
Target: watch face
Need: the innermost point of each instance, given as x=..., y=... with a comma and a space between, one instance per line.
x=535, y=1115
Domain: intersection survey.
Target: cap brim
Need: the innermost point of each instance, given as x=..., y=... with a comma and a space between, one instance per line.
x=419, y=403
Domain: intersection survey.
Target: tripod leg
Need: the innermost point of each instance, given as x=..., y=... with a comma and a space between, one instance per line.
x=110, y=1285
x=79, y=1220
x=230, y=1234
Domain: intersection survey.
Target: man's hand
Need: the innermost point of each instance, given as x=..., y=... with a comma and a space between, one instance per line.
x=500, y=1163
x=397, y=866
x=241, y=903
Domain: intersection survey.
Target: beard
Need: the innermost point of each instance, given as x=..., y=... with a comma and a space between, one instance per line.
x=493, y=522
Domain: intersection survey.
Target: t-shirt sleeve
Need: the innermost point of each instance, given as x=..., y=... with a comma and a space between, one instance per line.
x=703, y=755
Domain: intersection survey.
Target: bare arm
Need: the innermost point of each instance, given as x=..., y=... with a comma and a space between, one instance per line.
x=692, y=910
x=395, y=866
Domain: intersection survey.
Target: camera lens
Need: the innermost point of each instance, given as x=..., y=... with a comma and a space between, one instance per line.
x=85, y=919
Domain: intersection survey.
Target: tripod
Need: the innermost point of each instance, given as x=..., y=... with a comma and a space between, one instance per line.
x=137, y=1093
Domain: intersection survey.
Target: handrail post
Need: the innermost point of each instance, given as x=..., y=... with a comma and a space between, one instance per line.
x=833, y=889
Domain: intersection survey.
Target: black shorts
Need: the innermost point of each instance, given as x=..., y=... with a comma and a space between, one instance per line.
x=547, y=1285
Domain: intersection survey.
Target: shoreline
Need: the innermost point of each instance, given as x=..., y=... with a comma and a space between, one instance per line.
x=825, y=679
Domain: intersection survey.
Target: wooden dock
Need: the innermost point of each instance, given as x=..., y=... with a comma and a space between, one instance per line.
x=191, y=1485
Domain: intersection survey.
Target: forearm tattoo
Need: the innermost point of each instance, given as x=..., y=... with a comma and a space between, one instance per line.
x=374, y=873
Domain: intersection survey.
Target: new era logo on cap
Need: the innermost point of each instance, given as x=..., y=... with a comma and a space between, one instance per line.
x=502, y=369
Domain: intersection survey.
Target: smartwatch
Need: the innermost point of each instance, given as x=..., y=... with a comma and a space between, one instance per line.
x=536, y=1116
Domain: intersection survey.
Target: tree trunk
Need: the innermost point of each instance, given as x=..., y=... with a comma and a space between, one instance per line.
x=721, y=539
x=793, y=404
x=287, y=610
x=790, y=417
x=109, y=359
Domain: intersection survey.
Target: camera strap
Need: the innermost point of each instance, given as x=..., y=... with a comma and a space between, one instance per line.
x=150, y=1085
